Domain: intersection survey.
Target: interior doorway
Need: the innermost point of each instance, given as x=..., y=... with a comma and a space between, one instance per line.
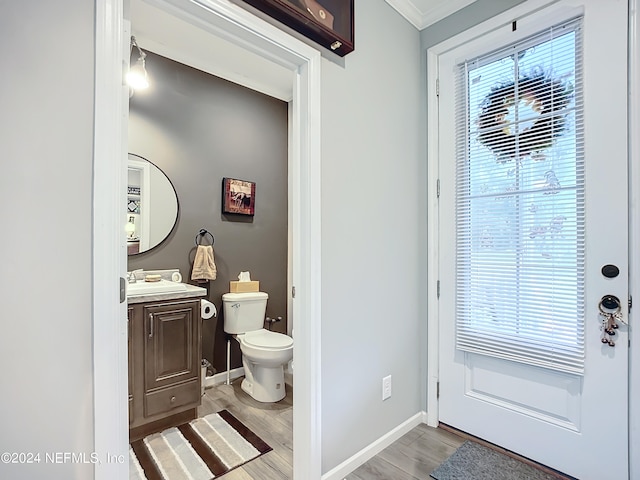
x=220, y=21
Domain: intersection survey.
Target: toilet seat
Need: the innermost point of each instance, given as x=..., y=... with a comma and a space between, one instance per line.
x=267, y=340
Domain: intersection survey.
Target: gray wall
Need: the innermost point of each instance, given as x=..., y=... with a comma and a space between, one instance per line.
x=46, y=147
x=371, y=242
x=198, y=129
x=374, y=232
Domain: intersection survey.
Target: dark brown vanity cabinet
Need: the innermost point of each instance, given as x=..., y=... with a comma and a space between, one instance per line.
x=130, y=357
x=164, y=364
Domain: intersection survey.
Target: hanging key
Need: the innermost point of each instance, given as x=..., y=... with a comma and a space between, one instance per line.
x=610, y=313
x=603, y=328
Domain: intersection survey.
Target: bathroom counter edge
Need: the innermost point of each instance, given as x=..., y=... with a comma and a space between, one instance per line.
x=191, y=292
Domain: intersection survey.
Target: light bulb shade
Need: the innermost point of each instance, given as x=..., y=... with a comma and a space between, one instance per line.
x=137, y=76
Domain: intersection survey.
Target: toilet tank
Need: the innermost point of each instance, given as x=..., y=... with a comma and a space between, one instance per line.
x=244, y=312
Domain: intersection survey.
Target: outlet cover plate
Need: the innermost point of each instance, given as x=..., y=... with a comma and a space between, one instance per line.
x=386, y=387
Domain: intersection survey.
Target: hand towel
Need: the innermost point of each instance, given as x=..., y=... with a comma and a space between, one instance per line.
x=204, y=267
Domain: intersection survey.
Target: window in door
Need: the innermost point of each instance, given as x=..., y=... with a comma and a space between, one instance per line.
x=520, y=202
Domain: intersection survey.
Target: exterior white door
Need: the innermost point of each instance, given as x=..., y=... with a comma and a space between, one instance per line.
x=532, y=162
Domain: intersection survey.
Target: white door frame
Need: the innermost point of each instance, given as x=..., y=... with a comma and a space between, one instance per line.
x=433, y=134
x=634, y=230
x=109, y=250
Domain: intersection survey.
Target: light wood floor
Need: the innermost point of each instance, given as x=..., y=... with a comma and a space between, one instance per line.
x=412, y=457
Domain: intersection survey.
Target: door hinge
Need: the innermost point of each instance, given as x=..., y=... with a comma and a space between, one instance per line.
x=437, y=87
x=630, y=302
x=438, y=390
x=438, y=188
x=438, y=288
x=293, y=292
x=123, y=290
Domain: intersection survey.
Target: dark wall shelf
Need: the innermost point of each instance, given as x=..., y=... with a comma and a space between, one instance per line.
x=329, y=23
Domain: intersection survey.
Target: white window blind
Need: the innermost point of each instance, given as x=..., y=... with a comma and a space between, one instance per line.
x=520, y=202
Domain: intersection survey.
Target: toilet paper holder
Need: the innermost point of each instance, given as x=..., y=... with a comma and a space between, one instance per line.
x=207, y=309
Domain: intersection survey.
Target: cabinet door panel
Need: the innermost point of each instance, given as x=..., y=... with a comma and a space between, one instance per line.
x=171, y=340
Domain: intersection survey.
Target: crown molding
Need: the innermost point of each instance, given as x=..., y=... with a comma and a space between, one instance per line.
x=408, y=10
x=422, y=18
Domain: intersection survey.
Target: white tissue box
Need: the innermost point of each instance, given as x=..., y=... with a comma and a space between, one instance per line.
x=244, y=287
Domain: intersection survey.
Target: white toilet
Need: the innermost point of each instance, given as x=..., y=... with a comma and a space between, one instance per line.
x=264, y=353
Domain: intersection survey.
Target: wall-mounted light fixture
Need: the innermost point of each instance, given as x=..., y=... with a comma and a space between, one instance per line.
x=137, y=76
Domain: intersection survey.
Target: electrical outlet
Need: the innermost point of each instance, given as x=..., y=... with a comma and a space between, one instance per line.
x=386, y=387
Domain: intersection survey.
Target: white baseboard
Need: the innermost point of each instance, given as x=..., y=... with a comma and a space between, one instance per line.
x=221, y=377
x=349, y=465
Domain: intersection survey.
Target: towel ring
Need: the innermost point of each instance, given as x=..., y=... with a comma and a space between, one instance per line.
x=203, y=233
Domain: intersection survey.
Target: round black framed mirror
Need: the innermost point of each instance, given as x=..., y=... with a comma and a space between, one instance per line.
x=152, y=205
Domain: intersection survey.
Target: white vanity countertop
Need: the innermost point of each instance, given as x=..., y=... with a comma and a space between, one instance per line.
x=191, y=292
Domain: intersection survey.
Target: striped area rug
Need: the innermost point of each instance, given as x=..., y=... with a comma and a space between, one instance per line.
x=202, y=449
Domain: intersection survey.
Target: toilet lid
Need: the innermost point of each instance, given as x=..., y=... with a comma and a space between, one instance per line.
x=267, y=339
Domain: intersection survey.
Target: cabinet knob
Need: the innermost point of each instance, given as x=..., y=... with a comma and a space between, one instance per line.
x=173, y=399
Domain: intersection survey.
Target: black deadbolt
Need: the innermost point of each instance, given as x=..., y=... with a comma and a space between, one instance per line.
x=610, y=271
x=610, y=302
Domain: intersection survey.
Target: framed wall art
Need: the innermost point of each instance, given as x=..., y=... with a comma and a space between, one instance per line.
x=329, y=23
x=238, y=196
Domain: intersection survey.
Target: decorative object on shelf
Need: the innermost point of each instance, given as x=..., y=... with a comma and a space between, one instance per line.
x=133, y=190
x=328, y=23
x=238, y=196
x=318, y=12
x=543, y=95
x=133, y=206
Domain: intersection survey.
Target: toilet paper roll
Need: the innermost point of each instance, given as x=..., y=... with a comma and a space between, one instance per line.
x=207, y=309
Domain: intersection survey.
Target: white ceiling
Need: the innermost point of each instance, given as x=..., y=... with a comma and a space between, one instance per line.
x=422, y=13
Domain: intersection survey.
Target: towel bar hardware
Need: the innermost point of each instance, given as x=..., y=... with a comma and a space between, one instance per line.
x=202, y=233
